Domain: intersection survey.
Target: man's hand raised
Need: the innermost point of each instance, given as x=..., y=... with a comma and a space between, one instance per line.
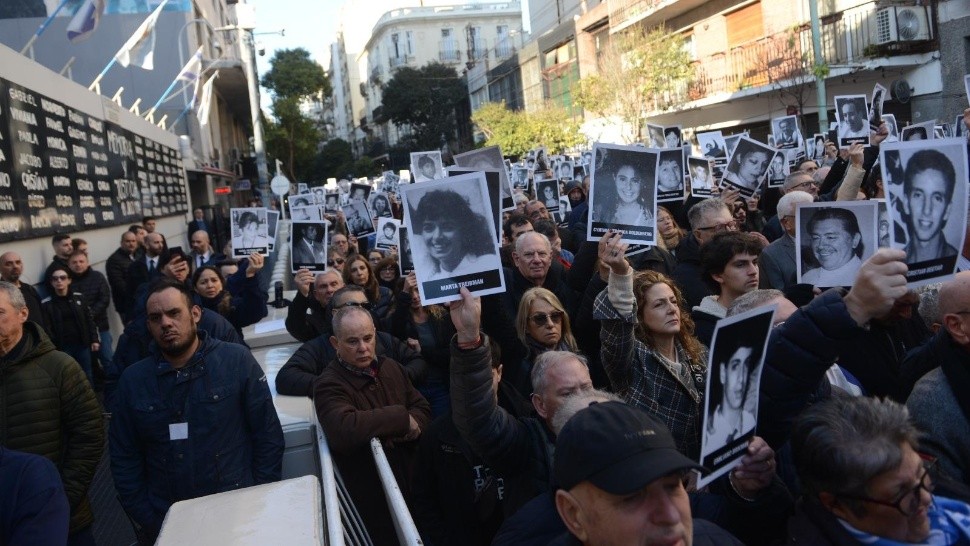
x=466, y=314
x=880, y=282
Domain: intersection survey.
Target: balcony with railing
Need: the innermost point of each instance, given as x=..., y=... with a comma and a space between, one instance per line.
x=449, y=51
x=786, y=58
x=477, y=49
x=399, y=61
x=504, y=48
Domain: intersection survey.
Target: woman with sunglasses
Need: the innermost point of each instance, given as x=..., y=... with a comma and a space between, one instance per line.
x=336, y=259
x=357, y=270
x=238, y=298
x=542, y=325
x=72, y=325
x=648, y=348
x=427, y=329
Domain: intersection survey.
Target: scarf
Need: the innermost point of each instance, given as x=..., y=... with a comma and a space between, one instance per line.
x=949, y=526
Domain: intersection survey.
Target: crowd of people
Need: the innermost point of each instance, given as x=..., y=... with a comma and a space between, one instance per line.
x=568, y=409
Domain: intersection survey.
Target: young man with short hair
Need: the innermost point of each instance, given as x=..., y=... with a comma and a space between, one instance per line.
x=729, y=264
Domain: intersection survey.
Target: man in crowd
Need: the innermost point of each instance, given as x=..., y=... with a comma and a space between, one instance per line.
x=94, y=288
x=533, y=260
x=116, y=267
x=730, y=263
x=707, y=218
x=621, y=481
x=147, y=268
x=148, y=223
x=516, y=224
x=297, y=376
x=11, y=268
x=202, y=252
x=62, y=251
x=360, y=396
x=307, y=317
x=140, y=234
x=777, y=263
x=944, y=390
x=48, y=407
x=179, y=409
x=198, y=222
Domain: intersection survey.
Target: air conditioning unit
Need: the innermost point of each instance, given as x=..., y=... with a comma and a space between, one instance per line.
x=902, y=24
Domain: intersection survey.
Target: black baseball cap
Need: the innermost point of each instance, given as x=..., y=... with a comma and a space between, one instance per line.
x=617, y=447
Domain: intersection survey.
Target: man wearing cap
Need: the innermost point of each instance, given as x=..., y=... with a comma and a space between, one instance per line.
x=621, y=480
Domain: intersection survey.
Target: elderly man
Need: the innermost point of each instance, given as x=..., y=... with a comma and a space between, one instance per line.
x=11, y=268
x=48, y=407
x=194, y=418
x=534, y=266
x=610, y=453
x=707, y=218
x=116, y=268
x=297, y=376
x=777, y=263
x=864, y=480
x=307, y=317
x=945, y=391
x=360, y=396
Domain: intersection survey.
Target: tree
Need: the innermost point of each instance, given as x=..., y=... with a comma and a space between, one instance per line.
x=295, y=80
x=638, y=72
x=335, y=159
x=516, y=132
x=786, y=65
x=424, y=99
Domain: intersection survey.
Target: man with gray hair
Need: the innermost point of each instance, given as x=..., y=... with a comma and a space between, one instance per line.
x=707, y=218
x=48, y=406
x=778, y=267
x=535, y=266
x=11, y=268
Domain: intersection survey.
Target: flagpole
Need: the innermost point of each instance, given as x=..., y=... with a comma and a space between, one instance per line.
x=165, y=94
x=43, y=26
x=103, y=72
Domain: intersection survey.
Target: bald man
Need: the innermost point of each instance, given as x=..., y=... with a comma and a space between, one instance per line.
x=11, y=268
x=202, y=251
x=940, y=401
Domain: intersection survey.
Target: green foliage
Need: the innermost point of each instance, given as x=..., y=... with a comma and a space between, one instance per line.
x=366, y=166
x=639, y=71
x=518, y=132
x=335, y=159
x=424, y=99
x=292, y=136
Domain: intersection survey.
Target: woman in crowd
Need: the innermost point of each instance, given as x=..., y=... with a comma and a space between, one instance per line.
x=357, y=270
x=72, y=325
x=648, y=348
x=427, y=329
x=629, y=203
x=542, y=325
x=388, y=273
x=457, y=240
x=374, y=257
x=670, y=232
x=238, y=298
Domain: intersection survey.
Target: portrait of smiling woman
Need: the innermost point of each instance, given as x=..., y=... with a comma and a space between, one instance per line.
x=455, y=240
x=624, y=189
x=748, y=165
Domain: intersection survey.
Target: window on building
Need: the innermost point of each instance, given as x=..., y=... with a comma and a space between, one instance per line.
x=744, y=25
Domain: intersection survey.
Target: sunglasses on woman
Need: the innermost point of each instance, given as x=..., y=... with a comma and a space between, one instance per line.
x=541, y=319
x=336, y=261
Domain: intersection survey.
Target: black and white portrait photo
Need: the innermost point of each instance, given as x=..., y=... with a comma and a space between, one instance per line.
x=308, y=246
x=926, y=184
x=302, y=187
x=319, y=194
x=452, y=239
x=250, y=231
x=380, y=205
x=748, y=166
x=360, y=192
x=670, y=175
x=655, y=134
x=564, y=171
x=832, y=239
x=786, y=132
x=331, y=202
x=733, y=380
x=426, y=166
x=672, y=136
x=701, y=176
x=731, y=142
x=358, y=218
x=778, y=169
x=623, y=193
x=816, y=147
x=387, y=234
x=272, y=223
x=301, y=200
x=852, y=116
x=890, y=121
x=918, y=131
x=959, y=128
x=494, y=182
x=309, y=213
x=547, y=192
x=491, y=158
x=712, y=144
x=405, y=259
x=875, y=107
x=389, y=183
x=520, y=178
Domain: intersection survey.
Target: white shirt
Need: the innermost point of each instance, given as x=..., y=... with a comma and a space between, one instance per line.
x=842, y=276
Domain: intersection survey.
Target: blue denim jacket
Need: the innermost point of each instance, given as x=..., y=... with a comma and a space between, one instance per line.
x=234, y=435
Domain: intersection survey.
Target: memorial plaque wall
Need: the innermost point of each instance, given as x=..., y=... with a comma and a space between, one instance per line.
x=63, y=170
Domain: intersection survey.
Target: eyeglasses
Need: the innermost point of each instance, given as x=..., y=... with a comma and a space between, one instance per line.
x=56, y=278
x=805, y=184
x=541, y=319
x=908, y=502
x=337, y=261
x=363, y=305
x=718, y=228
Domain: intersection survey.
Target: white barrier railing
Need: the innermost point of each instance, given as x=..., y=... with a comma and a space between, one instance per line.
x=331, y=503
x=407, y=532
